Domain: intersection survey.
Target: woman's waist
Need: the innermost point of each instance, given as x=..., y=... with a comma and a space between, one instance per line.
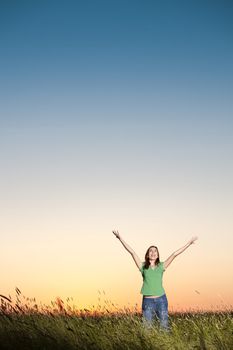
x=153, y=296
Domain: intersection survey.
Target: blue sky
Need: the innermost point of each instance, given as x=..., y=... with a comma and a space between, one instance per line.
x=66, y=62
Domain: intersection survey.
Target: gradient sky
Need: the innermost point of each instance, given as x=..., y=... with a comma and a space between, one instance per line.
x=116, y=115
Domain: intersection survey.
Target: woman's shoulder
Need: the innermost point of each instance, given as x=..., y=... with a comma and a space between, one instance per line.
x=161, y=265
x=142, y=265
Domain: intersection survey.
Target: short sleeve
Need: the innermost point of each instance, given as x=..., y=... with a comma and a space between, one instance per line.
x=141, y=268
x=161, y=266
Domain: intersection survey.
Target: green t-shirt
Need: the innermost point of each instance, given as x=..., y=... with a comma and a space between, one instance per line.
x=152, y=280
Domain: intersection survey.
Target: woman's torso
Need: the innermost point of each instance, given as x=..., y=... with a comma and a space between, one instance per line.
x=152, y=296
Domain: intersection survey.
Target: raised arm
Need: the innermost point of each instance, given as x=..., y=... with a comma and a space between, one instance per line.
x=129, y=249
x=177, y=252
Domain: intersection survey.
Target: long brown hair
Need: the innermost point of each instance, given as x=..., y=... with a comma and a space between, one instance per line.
x=147, y=261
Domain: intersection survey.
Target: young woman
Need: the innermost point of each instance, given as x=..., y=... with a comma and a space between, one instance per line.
x=154, y=301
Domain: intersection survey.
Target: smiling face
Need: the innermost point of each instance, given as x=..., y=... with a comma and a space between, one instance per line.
x=153, y=253
x=152, y=256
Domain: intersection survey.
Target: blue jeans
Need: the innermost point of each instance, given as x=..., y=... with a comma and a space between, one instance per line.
x=155, y=307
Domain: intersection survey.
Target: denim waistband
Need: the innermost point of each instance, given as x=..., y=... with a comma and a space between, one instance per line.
x=161, y=296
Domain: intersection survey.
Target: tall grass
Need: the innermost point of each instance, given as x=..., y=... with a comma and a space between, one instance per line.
x=26, y=325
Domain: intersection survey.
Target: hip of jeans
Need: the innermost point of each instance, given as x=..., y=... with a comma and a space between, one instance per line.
x=155, y=301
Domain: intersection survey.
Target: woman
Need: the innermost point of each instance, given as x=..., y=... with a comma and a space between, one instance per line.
x=154, y=301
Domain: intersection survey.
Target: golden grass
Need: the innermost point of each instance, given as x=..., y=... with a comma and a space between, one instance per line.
x=61, y=325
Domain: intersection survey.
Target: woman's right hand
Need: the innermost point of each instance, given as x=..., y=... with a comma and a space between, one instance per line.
x=116, y=233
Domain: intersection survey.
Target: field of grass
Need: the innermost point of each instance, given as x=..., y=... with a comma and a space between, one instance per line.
x=25, y=325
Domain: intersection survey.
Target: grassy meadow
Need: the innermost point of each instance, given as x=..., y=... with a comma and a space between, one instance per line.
x=26, y=325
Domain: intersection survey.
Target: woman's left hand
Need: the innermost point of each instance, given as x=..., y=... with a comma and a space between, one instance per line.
x=193, y=239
